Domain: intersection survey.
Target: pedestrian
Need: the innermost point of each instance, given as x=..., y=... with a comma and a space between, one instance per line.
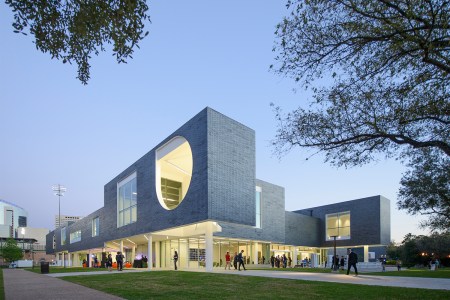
x=342, y=263
x=272, y=260
x=235, y=260
x=228, y=261
x=109, y=262
x=352, y=260
x=175, y=259
x=241, y=260
x=399, y=264
x=263, y=259
x=383, y=264
x=119, y=260
x=95, y=262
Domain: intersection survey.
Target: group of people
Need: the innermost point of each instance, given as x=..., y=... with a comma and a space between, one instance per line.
x=238, y=261
x=280, y=261
x=339, y=263
x=119, y=261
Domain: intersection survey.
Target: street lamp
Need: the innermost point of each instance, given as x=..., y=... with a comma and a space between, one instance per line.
x=59, y=191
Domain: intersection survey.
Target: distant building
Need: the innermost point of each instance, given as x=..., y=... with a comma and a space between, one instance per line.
x=66, y=220
x=14, y=224
x=11, y=218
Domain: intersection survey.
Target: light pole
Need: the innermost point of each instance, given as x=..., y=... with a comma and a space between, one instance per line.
x=59, y=191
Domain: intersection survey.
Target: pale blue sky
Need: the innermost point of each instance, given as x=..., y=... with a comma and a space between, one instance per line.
x=198, y=53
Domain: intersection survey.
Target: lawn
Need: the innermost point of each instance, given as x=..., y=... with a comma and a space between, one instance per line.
x=2, y=286
x=440, y=273
x=192, y=285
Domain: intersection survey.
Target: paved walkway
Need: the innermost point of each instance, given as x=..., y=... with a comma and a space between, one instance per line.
x=24, y=285
x=21, y=284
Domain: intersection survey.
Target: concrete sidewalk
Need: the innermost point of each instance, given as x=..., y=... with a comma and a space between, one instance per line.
x=393, y=281
x=24, y=285
x=21, y=284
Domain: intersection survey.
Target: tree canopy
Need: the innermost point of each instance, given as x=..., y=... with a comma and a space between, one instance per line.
x=74, y=30
x=10, y=251
x=379, y=72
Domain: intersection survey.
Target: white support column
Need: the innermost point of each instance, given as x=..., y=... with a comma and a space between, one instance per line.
x=133, y=254
x=149, y=252
x=157, y=255
x=209, y=248
x=366, y=253
x=89, y=259
x=63, y=260
x=184, y=249
x=70, y=259
x=255, y=253
x=294, y=259
x=121, y=249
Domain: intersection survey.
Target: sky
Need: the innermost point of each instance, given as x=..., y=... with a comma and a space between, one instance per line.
x=55, y=130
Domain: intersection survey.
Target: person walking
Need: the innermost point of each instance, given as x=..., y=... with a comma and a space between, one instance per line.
x=241, y=260
x=175, y=259
x=352, y=260
x=119, y=260
x=109, y=262
x=228, y=261
x=342, y=263
x=399, y=264
x=235, y=260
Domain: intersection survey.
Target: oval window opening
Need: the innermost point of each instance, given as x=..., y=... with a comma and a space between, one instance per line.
x=173, y=172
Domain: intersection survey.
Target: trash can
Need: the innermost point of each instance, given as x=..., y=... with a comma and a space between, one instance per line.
x=45, y=267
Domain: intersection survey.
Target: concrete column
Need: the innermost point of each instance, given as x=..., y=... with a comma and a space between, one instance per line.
x=209, y=248
x=255, y=253
x=121, y=246
x=294, y=259
x=133, y=255
x=157, y=255
x=89, y=259
x=184, y=249
x=149, y=252
x=70, y=259
x=366, y=253
x=63, y=260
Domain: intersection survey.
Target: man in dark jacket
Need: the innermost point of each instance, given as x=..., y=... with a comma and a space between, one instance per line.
x=241, y=260
x=352, y=260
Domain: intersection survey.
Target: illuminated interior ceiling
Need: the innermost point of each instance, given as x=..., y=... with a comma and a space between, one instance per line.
x=174, y=165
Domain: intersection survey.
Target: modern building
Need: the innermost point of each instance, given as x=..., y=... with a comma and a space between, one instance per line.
x=13, y=224
x=65, y=220
x=196, y=193
x=11, y=218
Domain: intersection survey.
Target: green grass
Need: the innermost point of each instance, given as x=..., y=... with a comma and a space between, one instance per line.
x=2, y=286
x=192, y=285
x=440, y=273
x=54, y=269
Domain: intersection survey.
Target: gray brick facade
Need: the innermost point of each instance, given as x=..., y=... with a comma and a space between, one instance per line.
x=222, y=189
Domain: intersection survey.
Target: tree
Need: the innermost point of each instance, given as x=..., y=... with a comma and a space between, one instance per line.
x=11, y=252
x=425, y=188
x=379, y=72
x=73, y=30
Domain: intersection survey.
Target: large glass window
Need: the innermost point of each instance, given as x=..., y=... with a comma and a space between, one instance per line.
x=63, y=236
x=75, y=236
x=127, y=201
x=174, y=165
x=95, y=226
x=258, y=207
x=338, y=225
